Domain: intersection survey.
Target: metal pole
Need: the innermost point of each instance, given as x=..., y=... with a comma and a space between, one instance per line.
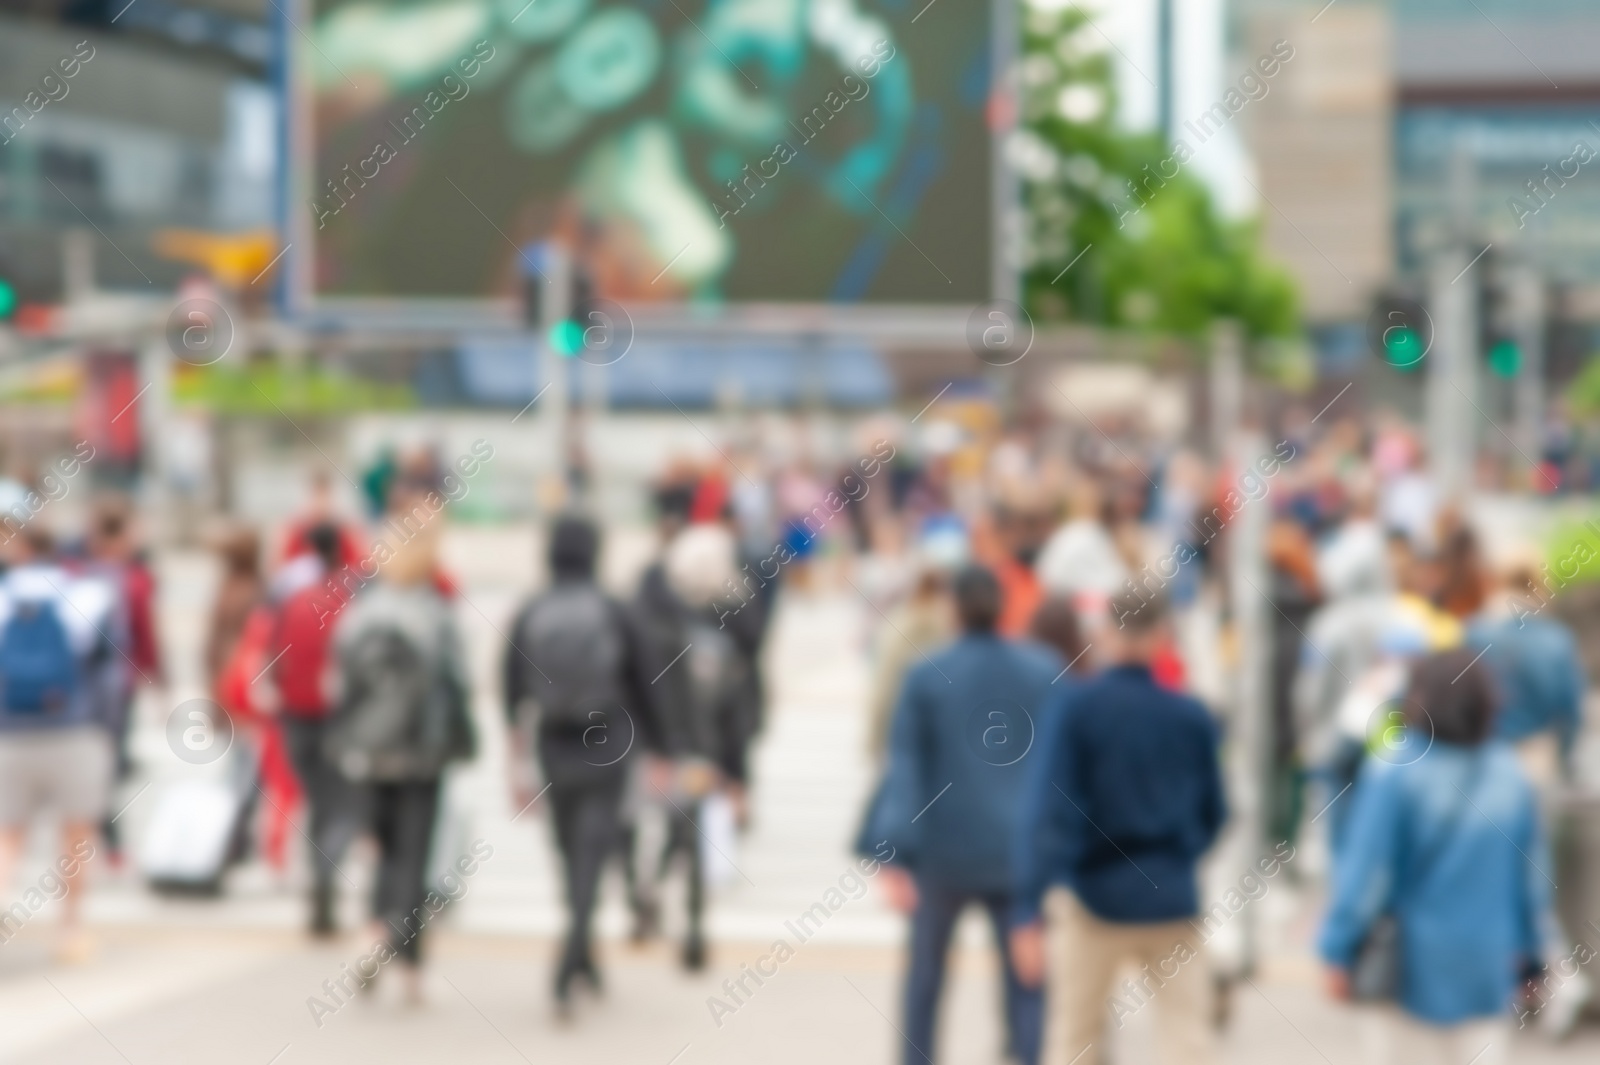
x=1527, y=325
x=1251, y=727
x=1237, y=446
x=555, y=306
x=1452, y=396
x=1166, y=74
x=155, y=368
x=1227, y=385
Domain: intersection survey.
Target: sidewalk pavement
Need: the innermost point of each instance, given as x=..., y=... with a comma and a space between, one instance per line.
x=199, y=998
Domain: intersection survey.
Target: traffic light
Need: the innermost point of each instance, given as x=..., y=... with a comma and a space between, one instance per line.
x=565, y=337
x=1494, y=336
x=1400, y=332
x=1505, y=357
x=557, y=295
x=1403, y=345
x=9, y=297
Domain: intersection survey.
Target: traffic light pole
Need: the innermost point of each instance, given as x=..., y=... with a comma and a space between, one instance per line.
x=547, y=295
x=1527, y=325
x=1452, y=392
x=154, y=414
x=555, y=308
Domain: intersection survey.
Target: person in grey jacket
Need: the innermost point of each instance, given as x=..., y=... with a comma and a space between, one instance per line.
x=401, y=715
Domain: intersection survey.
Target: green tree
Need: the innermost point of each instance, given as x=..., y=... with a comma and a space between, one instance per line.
x=1159, y=256
x=1584, y=391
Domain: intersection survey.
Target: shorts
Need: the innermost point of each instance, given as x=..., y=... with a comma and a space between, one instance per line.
x=66, y=771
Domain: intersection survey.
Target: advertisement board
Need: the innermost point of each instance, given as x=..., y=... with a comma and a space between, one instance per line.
x=692, y=153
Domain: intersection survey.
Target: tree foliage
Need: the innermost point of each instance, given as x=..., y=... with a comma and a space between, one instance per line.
x=1158, y=256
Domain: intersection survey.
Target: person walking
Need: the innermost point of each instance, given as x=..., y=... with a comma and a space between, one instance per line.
x=401, y=715
x=114, y=557
x=240, y=591
x=1296, y=592
x=657, y=617
x=706, y=703
x=302, y=637
x=1534, y=661
x=1440, y=896
x=1124, y=797
x=299, y=558
x=576, y=694
x=921, y=623
x=951, y=800
x=1353, y=569
x=56, y=667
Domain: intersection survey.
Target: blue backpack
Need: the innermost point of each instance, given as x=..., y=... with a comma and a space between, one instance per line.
x=38, y=671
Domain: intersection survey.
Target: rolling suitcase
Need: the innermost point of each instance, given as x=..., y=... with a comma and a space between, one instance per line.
x=196, y=832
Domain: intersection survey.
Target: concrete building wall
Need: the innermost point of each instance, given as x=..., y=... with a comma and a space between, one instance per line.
x=1322, y=146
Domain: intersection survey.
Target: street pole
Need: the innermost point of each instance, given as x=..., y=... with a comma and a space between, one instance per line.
x=1452, y=390
x=1527, y=305
x=547, y=288
x=1166, y=106
x=1226, y=385
x=153, y=411
x=1249, y=763
x=1237, y=446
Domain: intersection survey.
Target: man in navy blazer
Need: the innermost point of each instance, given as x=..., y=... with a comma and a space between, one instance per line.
x=951, y=800
x=1124, y=797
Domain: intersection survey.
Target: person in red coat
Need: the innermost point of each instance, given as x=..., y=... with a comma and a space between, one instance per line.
x=299, y=652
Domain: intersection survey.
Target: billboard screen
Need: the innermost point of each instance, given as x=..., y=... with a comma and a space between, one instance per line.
x=771, y=151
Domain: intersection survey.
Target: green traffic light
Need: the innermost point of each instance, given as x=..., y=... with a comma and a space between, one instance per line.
x=566, y=338
x=1404, y=347
x=1505, y=358
x=8, y=298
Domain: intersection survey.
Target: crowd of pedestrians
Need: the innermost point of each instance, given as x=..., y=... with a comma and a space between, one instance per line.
x=1045, y=716
x=1421, y=703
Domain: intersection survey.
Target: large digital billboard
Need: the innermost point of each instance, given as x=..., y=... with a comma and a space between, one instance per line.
x=690, y=151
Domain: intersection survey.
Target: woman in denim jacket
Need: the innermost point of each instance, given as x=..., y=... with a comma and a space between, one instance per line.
x=1444, y=836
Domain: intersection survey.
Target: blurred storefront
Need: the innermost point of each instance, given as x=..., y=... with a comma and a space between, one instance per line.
x=130, y=141
x=1401, y=126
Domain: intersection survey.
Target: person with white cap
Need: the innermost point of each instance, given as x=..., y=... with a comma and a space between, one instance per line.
x=703, y=698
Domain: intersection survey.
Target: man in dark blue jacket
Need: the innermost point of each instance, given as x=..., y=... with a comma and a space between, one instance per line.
x=950, y=802
x=1124, y=797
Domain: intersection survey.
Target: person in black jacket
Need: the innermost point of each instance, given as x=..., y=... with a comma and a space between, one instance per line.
x=576, y=692
x=705, y=699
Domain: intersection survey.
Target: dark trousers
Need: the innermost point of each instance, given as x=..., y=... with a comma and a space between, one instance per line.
x=335, y=804
x=938, y=907
x=683, y=838
x=119, y=719
x=585, y=817
x=402, y=822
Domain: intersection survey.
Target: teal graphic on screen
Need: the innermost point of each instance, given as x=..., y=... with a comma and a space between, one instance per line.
x=772, y=151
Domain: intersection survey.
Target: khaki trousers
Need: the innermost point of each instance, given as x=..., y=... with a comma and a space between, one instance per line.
x=1084, y=956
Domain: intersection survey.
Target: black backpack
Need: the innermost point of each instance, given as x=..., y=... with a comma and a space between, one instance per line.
x=574, y=637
